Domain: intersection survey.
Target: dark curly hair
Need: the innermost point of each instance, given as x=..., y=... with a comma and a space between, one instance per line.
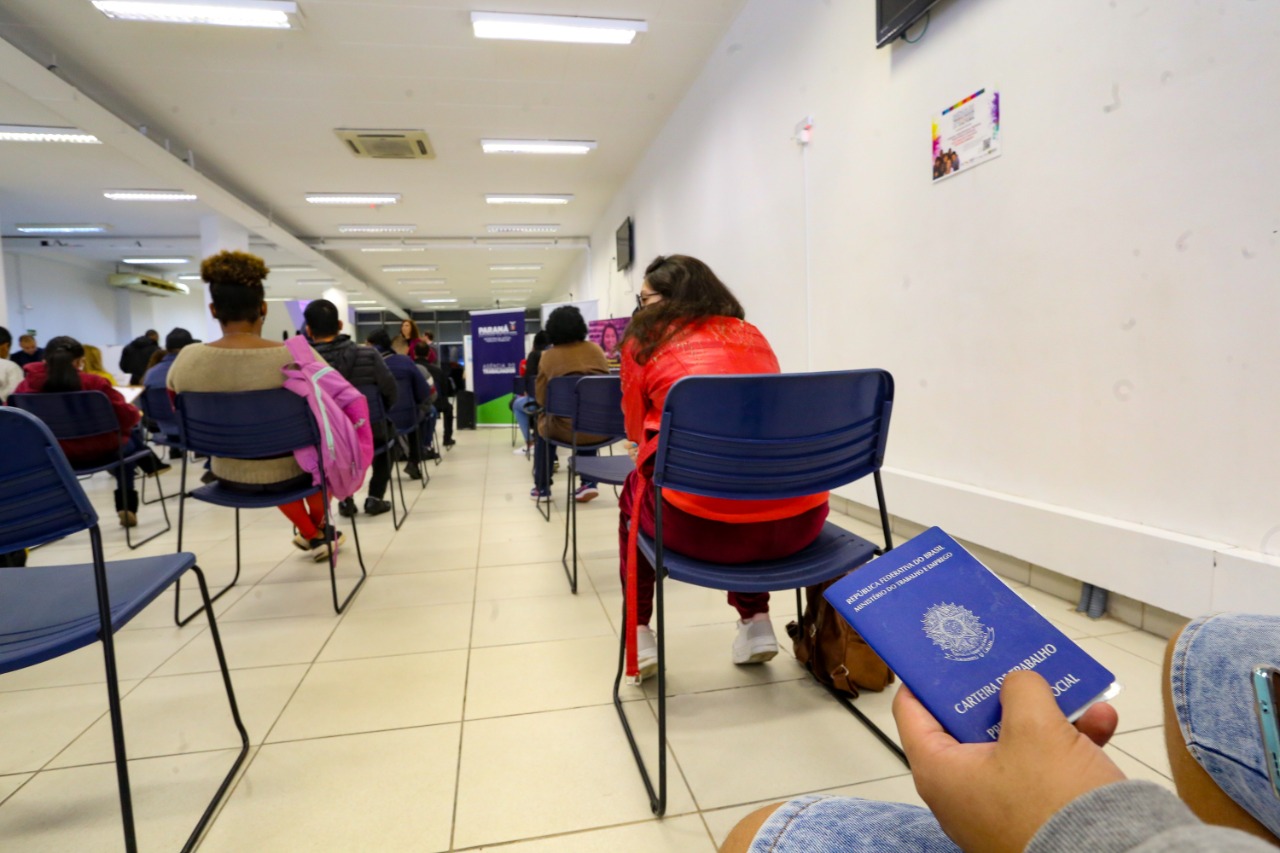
x=565, y=325
x=690, y=291
x=235, y=284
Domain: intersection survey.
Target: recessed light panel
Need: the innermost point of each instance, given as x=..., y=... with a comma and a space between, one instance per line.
x=389, y=249
x=33, y=133
x=149, y=195
x=365, y=199
x=537, y=146
x=523, y=229
x=508, y=198
x=410, y=268
x=560, y=28
x=144, y=261
x=268, y=14
x=63, y=229
x=514, y=267
x=377, y=229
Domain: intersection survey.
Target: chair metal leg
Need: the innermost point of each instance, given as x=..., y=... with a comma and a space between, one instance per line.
x=884, y=512
x=181, y=621
x=397, y=519
x=869, y=725
x=545, y=513
x=658, y=798
x=203, y=823
x=571, y=522
x=338, y=607
x=168, y=525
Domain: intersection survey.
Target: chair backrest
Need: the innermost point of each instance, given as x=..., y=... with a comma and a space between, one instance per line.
x=40, y=499
x=773, y=435
x=156, y=404
x=70, y=414
x=598, y=408
x=245, y=424
x=518, y=386
x=561, y=400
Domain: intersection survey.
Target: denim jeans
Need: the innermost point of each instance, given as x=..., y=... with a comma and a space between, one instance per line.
x=522, y=417
x=544, y=458
x=822, y=824
x=1211, y=681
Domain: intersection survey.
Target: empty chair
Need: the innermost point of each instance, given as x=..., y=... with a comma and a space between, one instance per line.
x=50, y=611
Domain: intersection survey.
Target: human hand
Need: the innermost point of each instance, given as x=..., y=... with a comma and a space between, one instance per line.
x=993, y=797
x=633, y=450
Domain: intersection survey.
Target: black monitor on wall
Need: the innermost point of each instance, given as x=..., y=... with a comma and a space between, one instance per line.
x=625, y=244
x=894, y=16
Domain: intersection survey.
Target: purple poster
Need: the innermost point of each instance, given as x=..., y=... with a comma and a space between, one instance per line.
x=608, y=334
x=497, y=346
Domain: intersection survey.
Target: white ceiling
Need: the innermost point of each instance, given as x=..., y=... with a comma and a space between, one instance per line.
x=255, y=111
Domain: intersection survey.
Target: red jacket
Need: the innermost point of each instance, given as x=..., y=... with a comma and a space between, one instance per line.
x=714, y=345
x=98, y=448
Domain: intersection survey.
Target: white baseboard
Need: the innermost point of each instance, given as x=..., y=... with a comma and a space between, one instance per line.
x=1183, y=575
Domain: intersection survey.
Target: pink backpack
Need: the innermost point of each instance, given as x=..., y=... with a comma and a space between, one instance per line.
x=342, y=417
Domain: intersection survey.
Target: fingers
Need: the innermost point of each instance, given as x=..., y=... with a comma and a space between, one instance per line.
x=1098, y=723
x=917, y=727
x=1028, y=706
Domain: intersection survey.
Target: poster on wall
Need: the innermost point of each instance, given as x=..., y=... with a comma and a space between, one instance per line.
x=497, y=346
x=608, y=334
x=967, y=133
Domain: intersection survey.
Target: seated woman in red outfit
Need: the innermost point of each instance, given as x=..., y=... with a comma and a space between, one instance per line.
x=688, y=323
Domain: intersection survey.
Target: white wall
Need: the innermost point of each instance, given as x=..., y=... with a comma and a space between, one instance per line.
x=1083, y=332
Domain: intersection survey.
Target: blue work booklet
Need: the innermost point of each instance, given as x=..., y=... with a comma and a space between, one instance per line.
x=952, y=630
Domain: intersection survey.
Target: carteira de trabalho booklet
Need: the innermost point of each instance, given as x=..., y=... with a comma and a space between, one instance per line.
x=952, y=631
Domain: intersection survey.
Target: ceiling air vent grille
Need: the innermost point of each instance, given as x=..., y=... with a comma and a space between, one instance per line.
x=388, y=144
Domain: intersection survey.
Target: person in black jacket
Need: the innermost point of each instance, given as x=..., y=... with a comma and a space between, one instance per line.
x=444, y=388
x=363, y=367
x=137, y=354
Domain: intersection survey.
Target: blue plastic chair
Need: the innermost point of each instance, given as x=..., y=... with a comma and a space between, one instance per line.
x=251, y=425
x=378, y=413
x=761, y=437
x=88, y=414
x=597, y=410
x=50, y=611
x=157, y=408
x=560, y=403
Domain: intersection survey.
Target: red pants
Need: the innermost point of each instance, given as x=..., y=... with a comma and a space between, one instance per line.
x=714, y=542
x=307, y=515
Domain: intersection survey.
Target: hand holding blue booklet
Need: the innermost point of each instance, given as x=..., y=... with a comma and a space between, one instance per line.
x=952, y=631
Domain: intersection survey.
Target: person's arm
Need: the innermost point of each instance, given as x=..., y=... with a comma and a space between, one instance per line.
x=994, y=797
x=384, y=380
x=421, y=391
x=127, y=415
x=633, y=403
x=540, y=383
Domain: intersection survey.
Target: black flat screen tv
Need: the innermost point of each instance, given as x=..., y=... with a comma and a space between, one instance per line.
x=625, y=244
x=894, y=16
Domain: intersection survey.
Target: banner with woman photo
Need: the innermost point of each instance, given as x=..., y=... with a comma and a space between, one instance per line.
x=497, y=346
x=608, y=334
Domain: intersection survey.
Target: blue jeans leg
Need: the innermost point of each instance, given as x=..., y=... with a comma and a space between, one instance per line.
x=820, y=824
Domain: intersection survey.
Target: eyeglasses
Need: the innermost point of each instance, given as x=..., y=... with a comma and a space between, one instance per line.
x=643, y=299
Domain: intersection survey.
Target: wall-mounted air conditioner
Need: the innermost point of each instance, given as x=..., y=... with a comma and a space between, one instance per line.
x=149, y=285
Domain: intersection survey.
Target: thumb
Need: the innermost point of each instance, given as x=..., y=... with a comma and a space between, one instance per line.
x=1028, y=707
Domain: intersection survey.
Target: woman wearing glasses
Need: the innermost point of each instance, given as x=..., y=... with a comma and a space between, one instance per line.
x=688, y=323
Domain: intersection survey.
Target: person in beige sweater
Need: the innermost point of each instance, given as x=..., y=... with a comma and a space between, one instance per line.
x=243, y=360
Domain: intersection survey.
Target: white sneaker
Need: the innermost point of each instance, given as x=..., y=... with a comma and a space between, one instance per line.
x=520, y=451
x=755, y=642
x=646, y=652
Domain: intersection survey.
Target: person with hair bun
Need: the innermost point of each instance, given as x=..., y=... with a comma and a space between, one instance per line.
x=688, y=323
x=63, y=370
x=243, y=360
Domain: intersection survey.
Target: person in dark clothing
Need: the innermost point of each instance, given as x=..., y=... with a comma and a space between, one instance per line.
x=137, y=354
x=362, y=367
x=444, y=388
x=406, y=374
x=28, y=352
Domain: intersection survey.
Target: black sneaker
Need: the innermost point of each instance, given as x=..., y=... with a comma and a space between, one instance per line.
x=430, y=454
x=376, y=506
x=347, y=507
x=412, y=471
x=449, y=442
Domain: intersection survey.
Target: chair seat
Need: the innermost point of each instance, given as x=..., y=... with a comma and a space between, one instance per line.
x=836, y=551
x=220, y=495
x=111, y=464
x=49, y=611
x=604, y=469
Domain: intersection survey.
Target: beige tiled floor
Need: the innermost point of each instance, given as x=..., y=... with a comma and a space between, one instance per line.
x=461, y=702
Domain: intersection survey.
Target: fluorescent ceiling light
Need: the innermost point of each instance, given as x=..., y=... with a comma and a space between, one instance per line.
x=33, y=133
x=367, y=199
x=155, y=260
x=502, y=25
x=63, y=229
x=513, y=280
x=393, y=248
x=319, y=282
x=279, y=299
x=362, y=302
x=149, y=195
x=293, y=268
x=438, y=301
x=377, y=229
x=190, y=277
x=537, y=146
x=522, y=229
x=410, y=268
x=491, y=198
x=514, y=267
x=409, y=282
x=271, y=14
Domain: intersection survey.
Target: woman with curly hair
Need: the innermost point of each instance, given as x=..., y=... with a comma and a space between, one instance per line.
x=243, y=360
x=689, y=324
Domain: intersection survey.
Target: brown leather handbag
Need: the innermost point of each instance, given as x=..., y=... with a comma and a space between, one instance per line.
x=832, y=651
